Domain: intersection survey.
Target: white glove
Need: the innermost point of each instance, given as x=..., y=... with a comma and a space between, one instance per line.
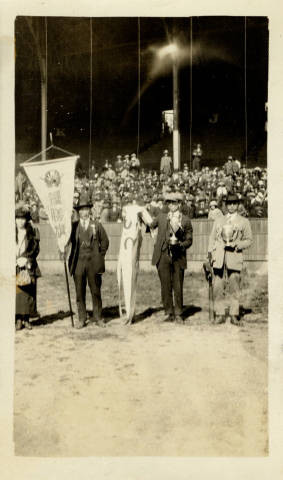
x=21, y=262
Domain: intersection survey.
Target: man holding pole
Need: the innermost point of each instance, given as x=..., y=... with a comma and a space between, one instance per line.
x=89, y=243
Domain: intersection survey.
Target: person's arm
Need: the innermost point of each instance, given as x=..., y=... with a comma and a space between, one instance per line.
x=187, y=235
x=152, y=225
x=103, y=239
x=247, y=238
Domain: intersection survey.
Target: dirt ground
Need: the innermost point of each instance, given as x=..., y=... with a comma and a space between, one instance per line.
x=152, y=388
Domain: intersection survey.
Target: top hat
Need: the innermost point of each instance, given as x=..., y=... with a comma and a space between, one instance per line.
x=22, y=213
x=232, y=199
x=84, y=201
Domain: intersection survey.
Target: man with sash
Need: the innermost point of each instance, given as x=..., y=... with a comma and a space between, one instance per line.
x=89, y=244
x=175, y=236
x=230, y=235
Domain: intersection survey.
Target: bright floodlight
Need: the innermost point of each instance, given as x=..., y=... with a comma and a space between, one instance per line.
x=170, y=49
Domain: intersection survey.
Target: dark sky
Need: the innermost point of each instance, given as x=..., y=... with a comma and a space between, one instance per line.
x=217, y=75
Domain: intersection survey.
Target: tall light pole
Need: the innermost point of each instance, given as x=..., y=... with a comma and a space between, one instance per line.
x=35, y=26
x=173, y=50
x=176, y=133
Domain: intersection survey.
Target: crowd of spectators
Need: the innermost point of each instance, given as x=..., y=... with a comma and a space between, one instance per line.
x=124, y=181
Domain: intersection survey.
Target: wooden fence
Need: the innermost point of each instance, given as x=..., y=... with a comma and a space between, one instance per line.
x=201, y=230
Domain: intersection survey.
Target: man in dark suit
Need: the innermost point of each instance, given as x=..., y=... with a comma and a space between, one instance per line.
x=175, y=236
x=89, y=243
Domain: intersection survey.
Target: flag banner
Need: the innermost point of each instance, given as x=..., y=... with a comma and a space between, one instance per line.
x=53, y=181
x=129, y=255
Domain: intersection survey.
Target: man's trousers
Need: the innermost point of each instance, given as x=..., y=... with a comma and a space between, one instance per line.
x=84, y=274
x=172, y=279
x=226, y=295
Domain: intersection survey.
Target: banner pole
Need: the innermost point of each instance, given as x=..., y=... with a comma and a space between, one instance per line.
x=68, y=290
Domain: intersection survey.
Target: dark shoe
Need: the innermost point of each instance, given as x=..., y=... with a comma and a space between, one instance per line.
x=35, y=315
x=19, y=324
x=169, y=318
x=235, y=320
x=179, y=319
x=219, y=319
x=27, y=325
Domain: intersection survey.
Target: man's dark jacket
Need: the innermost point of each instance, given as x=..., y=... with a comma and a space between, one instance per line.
x=184, y=235
x=99, y=246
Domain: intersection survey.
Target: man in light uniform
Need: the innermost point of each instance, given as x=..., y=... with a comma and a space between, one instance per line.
x=166, y=163
x=230, y=235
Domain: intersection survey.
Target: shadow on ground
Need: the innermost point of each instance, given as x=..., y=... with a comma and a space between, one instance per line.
x=111, y=313
x=146, y=313
x=190, y=310
x=54, y=317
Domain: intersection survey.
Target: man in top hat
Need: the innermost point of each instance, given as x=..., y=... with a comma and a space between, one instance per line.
x=89, y=243
x=174, y=237
x=230, y=235
x=166, y=164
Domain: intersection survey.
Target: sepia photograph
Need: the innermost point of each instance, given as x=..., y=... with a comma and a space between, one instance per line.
x=141, y=231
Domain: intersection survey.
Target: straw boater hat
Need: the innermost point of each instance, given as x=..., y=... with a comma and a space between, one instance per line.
x=171, y=197
x=84, y=201
x=179, y=196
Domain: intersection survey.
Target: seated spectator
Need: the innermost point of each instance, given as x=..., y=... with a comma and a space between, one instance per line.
x=125, y=171
x=214, y=211
x=115, y=212
x=104, y=215
x=110, y=173
x=221, y=190
x=257, y=206
x=201, y=210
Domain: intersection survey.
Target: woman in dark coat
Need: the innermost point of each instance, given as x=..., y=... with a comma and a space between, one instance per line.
x=27, y=249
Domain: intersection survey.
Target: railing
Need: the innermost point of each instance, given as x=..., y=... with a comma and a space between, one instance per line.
x=198, y=251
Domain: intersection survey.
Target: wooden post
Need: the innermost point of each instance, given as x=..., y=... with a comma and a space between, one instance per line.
x=68, y=291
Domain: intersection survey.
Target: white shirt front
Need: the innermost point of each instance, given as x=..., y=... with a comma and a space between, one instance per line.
x=20, y=245
x=84, y=223
x=231, y=216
